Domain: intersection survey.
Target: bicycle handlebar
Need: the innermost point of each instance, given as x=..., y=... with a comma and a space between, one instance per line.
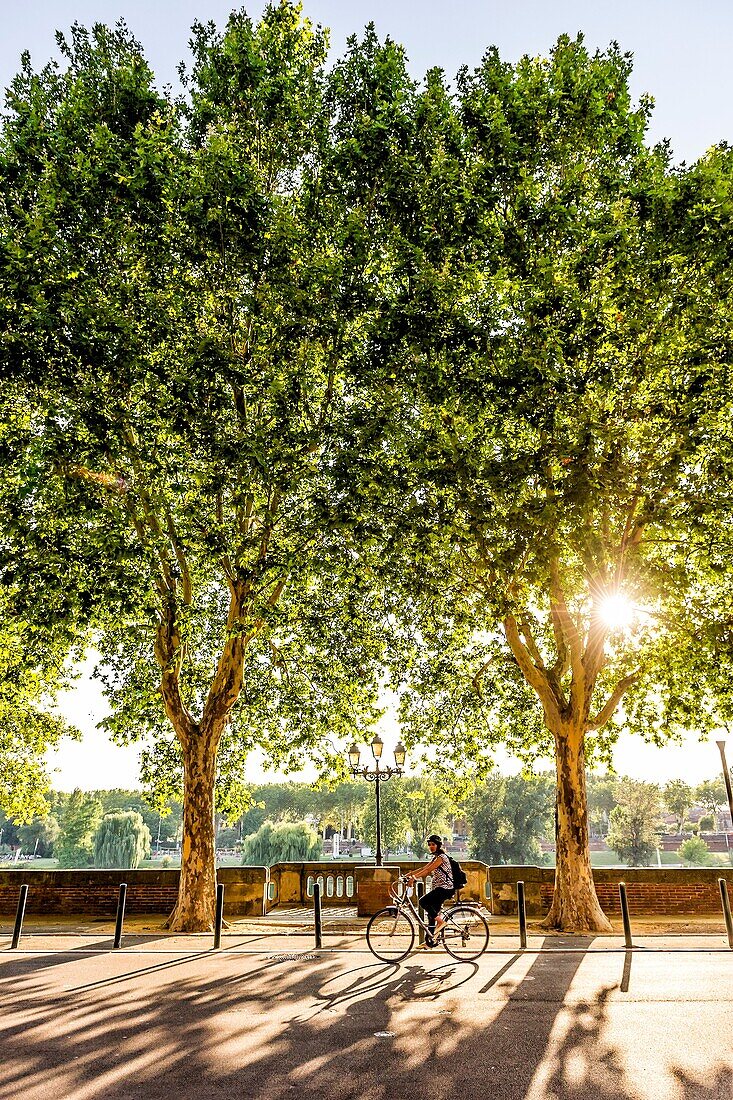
x=403, y=880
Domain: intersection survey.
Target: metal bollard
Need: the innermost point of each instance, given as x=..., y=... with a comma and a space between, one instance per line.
x=625, y=914
x=420, y=891
x=317, y=914
x=120, y=914
x=219, y=918
x=19, y=914
x=726, y=909
x=522, y=907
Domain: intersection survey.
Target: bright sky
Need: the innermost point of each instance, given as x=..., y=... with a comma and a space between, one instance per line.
x=681, y=49
x=681, y=57
x=97, y=763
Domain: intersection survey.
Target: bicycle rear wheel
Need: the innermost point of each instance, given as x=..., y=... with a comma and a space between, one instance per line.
x=390, y=935
x=465, y=934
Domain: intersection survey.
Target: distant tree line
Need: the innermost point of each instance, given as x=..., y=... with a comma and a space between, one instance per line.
x=504, y=819
x=630, y=815
x=111, y=828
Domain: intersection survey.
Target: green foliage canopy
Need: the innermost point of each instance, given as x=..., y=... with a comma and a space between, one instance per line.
x=393, y=814
x=634, y=822
x=694, y=852
x=561, y=417
x=427, y=810
x=678, y=798
x=40, y=835
x=508, y=816
x=81, y=816
x=601, y=800
x=189, y=291
x=712, y=794
x=31, y=667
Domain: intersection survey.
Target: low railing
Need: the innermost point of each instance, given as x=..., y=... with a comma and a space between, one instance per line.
x=292, y=884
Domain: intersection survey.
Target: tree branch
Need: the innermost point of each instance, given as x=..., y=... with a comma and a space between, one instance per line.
x=613, y=701
x=227, y=682
x=180, y=556
x=569, y=630
x=535, y=677
x=168, y=656
x=562, y=664
x=531, y=644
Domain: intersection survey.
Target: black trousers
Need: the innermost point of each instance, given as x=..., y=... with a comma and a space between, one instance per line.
x=432, y=902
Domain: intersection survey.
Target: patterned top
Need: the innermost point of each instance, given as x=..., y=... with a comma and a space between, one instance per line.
x=443, y=874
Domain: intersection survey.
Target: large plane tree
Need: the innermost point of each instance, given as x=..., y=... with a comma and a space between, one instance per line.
x=557, y=496
x=187, y=286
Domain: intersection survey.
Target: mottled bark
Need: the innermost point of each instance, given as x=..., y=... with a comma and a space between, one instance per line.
x=575, y=906
x=194, y=911
x=566, y=706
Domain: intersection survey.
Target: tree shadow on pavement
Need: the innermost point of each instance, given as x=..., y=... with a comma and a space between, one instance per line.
x=234, y=1026
x=586, y=1063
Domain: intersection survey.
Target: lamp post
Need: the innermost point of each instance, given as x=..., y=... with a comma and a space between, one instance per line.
x=377, y=775
x=726, y=777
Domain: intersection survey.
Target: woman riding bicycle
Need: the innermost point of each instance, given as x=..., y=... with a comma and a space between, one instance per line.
x=439, y=867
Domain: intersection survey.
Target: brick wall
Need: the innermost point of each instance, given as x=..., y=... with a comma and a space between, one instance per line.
x=95, y=893
x=649, y=890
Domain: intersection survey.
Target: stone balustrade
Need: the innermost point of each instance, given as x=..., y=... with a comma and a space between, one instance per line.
x=254, y=891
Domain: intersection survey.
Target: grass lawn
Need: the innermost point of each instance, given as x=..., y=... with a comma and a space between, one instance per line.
x=30, y=865
x=610, y=859
x=668, y=859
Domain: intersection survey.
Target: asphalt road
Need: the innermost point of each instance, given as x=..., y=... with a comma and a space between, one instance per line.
x=273, y=1018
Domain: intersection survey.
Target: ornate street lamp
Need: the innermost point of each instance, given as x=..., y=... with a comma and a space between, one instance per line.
x=377, y=775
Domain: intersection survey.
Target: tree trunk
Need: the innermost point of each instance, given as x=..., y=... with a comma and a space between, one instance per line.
x=575, y=906
x=195, y=908
x=194, y=911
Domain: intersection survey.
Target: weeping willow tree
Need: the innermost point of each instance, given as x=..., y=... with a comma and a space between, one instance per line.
x=284, y=842
x=122, y=840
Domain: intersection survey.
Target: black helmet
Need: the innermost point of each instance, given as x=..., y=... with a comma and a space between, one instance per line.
x=435, y=839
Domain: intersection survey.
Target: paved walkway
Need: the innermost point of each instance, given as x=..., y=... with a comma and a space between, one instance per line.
x=340, y=920
x=270, y=1017
x=303, y=915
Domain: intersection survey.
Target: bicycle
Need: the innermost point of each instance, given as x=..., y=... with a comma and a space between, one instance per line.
x=390, y=933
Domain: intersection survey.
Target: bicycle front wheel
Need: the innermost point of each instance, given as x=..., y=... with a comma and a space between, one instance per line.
x=465, y=934
x=390, y=935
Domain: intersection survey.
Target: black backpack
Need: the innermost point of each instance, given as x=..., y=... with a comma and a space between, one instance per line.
x=459, y=875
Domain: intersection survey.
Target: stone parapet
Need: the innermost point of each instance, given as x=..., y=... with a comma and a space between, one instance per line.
x=252, y=891
x=504, y=881
x=291, y=884
x=373, y=886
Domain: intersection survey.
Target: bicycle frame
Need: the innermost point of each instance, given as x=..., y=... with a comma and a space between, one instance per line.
x=404, y=902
